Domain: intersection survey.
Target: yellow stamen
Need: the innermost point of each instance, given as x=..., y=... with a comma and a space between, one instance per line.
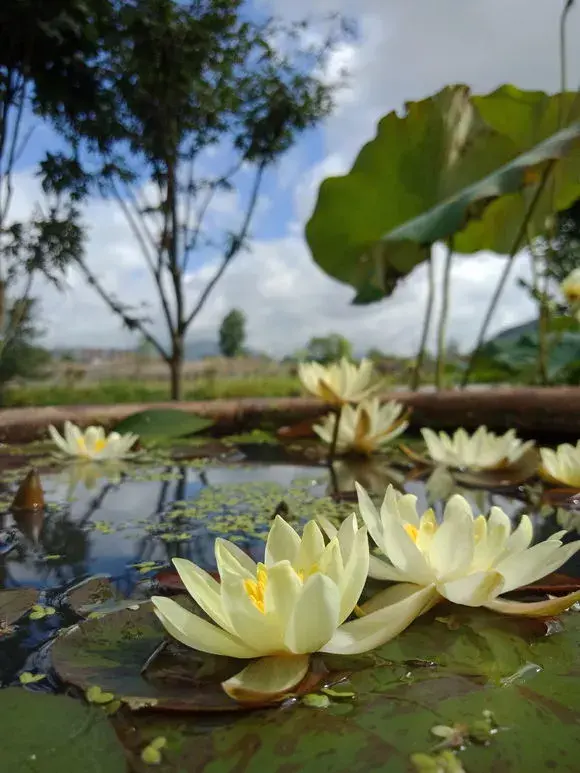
x=100, y=444
x=81, y=445
x=256, y=589
x=412, y=531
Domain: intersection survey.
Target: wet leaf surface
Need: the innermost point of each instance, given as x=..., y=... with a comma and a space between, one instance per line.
x=88, y=595
x=126, y=653
x=52, y=733
x=447, y=668
x=15, y=603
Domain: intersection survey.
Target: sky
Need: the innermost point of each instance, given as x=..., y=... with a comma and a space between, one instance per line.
x=404, y=50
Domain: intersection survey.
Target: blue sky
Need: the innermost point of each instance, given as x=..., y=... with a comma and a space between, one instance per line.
x=405, y=51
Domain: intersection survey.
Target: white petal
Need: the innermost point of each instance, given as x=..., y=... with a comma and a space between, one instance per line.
x=403, y=553
x=327, y=526
x=354, y=576
x=381, y=626
x=451, y=549
x=315, y=615
x=324, y=430
x=369, y=515
x=545, y=608
x=92, y=436
x=521, y=569
x=311, y=548
x=330, y=562
x=474, y=590
x=267, y=678
x=194, y=632
x=346, y=535
x=282, y=591
x=389, y=596
x=283, y=543
x=434, y=446
x=407, y=505
x=230, y=558
x=58, y=439
x=72, y=434
x=203, y=589
x=381, y=570
x=521, y=538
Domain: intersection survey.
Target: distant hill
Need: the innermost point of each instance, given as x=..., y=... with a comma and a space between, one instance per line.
x=197, y=350
x=514, y=333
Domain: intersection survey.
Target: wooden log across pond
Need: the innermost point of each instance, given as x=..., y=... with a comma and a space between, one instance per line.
x=552, y=412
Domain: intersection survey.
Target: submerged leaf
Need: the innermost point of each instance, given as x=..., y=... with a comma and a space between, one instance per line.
x=53, y=733
x=316, y=701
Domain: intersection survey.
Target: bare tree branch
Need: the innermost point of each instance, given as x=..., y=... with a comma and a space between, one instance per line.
x=130, y=322
x=139, y=210
x=6, y=173
x=235, y=246
x=154, y=269
x=189, y=247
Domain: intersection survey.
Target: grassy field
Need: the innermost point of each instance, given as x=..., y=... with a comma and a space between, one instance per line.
x=127, y=380
x=129, y=391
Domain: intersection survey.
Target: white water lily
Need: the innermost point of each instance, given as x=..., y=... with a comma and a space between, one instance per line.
x=561, y=466
x=93, y=443
x=570, y=287
x=296, y=603
x=366, y=428
x=467, y=560
x=484, y=450
x=339, y=383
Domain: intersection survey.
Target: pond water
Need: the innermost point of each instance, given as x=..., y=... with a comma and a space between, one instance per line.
x=127, y=521
x=109, y=520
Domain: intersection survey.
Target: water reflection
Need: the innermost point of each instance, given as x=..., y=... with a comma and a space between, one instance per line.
x=106, y=521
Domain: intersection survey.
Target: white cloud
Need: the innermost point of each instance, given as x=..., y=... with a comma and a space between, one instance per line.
x=406, y=50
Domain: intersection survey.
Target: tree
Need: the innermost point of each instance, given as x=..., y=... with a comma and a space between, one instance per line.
x=47, y=67
x=233, y=333
x=187, y=79
x=330, y=348
x=21, y=357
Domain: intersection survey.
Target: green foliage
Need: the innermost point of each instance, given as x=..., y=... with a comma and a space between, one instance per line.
x=20, y=357
x=566, y=245
x=515, y=360
x=232, y=334
x=158, y=423
x=132, y=391
x=454, y=164
x=330, y=348
x=184, y=78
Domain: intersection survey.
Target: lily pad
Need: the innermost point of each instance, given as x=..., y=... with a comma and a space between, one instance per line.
x=15, y=603
x=53, y=733
x=433, y=674
x=88, y=595
x=125, y=653
x=156, y=423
